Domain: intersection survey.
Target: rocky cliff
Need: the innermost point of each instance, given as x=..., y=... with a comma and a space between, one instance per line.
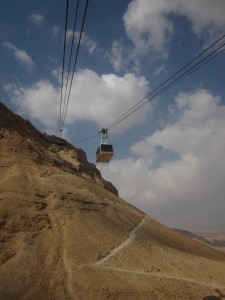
x=20, y=137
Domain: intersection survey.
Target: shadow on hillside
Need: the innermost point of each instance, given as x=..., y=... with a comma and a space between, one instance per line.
x=220, y=296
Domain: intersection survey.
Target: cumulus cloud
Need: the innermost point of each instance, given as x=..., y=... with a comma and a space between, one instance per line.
x=106, y=98
x=211, y=18
x=39, y=101
x=37, y=19
x=20, y=55
x=183, y=184
x=149, y=24
x=146, y=24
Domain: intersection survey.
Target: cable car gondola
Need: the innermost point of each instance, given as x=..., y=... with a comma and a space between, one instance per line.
x=104, y=152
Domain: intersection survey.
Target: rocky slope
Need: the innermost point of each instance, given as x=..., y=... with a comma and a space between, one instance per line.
x=65, y=234
x=25, y=142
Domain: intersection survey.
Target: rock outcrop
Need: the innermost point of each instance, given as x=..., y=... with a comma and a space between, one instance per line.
x=20, y=136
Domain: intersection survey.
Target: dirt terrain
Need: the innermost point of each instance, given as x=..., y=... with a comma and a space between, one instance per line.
x=215, y=239
x=65, y=233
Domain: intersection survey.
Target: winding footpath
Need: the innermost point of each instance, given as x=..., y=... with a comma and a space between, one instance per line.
x=130, y=238
x=102, y=263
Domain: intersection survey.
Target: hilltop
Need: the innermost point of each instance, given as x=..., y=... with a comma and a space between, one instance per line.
x=66, y=234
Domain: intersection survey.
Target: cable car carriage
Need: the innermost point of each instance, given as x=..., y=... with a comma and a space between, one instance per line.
x=104, y=152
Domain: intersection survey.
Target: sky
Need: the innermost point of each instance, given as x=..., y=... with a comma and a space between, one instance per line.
x=169, y=155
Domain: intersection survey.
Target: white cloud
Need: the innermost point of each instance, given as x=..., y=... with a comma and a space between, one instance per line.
x=52, y=59
x=123, y=57
x=192, y=130
x=20, y=55
x=40, y=101
x=37, y=19
x=90, y=44
x=146, y=24
x=69, y=34
x=203, y=14
x=116, y=56
x=160, y=70
x=54, y=31
x=185, y=190
x=86, y=41
x=149, y=25
x=95, y=98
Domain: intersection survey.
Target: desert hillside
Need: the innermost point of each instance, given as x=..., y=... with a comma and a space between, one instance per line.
x=210, y=238
x=65, y=233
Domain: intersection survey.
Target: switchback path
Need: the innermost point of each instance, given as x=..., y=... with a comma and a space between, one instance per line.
x=130, y=238
x=101, y=264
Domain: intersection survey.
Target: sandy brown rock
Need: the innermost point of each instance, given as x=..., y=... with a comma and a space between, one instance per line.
x=65, y=236
x=19, y=137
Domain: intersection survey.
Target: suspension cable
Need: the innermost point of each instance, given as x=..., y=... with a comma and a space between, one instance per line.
x=63, y=64
x=75, y=62
x=168, y=86
x=71, y=50
x=136, y=106
x=87, y=138
x=153, y=96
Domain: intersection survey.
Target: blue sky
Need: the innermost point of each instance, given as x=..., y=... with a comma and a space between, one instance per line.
x=169, y=156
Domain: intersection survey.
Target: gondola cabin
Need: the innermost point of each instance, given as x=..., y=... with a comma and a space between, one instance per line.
x=104, y=152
